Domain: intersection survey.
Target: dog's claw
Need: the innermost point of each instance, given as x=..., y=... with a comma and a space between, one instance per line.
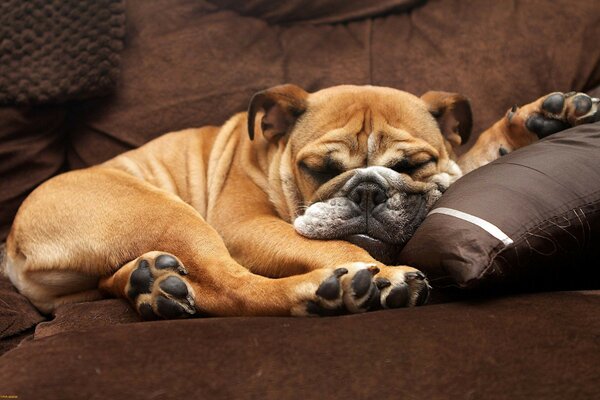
x=416, y=275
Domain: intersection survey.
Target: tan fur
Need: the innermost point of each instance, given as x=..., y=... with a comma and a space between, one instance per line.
x=223, y=204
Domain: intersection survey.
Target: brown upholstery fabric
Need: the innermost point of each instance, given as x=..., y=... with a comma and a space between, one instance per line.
x=545, y=197
x=526, y=347
x=17, y=316
x=86, y=316
x=316, y=12
x=203, y=61
x=32, y=150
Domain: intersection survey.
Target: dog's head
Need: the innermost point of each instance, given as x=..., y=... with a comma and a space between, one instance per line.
x=359, y=163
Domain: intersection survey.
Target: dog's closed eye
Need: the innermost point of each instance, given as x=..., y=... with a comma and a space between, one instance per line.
x=406, y=166
x=322, y=173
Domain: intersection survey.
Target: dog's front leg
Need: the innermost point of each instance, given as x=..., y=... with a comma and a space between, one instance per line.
x=524, y=125
x=267, y=245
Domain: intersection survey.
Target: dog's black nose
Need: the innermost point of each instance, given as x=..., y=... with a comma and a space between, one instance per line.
x=368, y=195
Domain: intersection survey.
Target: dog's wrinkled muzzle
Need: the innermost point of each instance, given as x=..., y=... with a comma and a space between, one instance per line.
x=377, y=209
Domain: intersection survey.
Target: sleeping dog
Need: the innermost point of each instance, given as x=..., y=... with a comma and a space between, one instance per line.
x=287, y=209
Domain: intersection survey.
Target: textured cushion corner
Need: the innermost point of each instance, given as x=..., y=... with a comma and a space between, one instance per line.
x=544, y=200
x=89, y=315
x=32, y=150
x=55, y=51
x=17, y=314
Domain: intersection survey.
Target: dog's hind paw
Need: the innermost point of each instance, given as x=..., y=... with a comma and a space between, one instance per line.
x=558, y=111
x=158, y=288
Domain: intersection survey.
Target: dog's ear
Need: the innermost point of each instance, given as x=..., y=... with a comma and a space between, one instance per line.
x=453, y=114
x=281, y=106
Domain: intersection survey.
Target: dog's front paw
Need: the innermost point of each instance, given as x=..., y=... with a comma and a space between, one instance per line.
x=157, y=287
x=323, y=297
x=361, y=292
x=359, y=287
x=402, y=287
x=558, y=111
x=374, y=288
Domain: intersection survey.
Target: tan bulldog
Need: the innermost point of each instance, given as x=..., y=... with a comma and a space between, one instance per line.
x=281, y=211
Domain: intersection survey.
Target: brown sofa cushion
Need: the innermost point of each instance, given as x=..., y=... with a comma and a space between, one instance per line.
x=202, y=63
x=533, y=346
x=545, y=200
x=316, y=12
x=32, y=150
x=17, y=316
x=88, y=315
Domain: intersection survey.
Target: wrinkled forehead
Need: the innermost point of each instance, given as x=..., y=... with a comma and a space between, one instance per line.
x=337, y=113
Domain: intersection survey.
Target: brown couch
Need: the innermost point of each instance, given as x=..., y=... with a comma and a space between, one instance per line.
x=191, y=63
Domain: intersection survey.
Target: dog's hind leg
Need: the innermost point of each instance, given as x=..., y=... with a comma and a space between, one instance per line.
x=524, y=125
x=104, y=226
x=47, y=289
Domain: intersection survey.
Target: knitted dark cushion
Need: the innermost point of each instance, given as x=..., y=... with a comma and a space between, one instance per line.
x=57, y=50
x=530, y=220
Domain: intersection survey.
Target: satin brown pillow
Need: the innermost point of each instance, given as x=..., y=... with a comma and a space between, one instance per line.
x=530, y=220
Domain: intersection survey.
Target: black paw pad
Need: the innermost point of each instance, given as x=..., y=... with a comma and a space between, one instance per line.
x=554, y=103
x=373, y=301
x=382, y=283
x=583, y=104
x=168, y=308
x=316, y=309
x=362, y=282
x=166, y=261
x=543, y=127
x=146, y=312
x=398, y=297
x=330, y=288
x=140, y=280
x=174, y=286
